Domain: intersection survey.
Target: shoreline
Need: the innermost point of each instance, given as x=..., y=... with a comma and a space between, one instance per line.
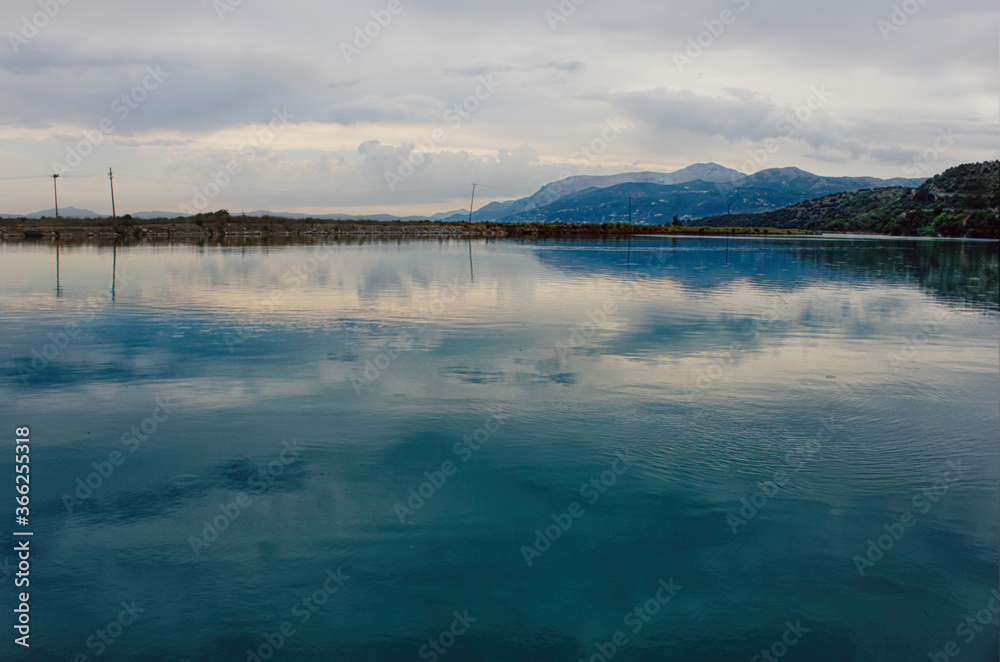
x=232, y=228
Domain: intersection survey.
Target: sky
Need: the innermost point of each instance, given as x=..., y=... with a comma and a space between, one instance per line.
x=398, y=106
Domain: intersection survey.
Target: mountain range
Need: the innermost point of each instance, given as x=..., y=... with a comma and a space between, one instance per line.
x=700, y=190
x=697, y=191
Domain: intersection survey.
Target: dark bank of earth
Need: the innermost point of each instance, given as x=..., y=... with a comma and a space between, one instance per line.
x=221, y=227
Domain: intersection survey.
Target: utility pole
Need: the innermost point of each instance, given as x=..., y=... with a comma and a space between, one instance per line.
x=630, y=210
x=471, y=204
x=111, y=177
x=55, y=191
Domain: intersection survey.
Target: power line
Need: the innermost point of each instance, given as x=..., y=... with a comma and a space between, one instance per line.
x=73, y=174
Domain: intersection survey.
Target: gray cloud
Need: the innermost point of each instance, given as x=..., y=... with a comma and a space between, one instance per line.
x=572, y=67
x=478, y=69
x=735, y=115
x=374, y=108
x=893, y=90
x=347, y=83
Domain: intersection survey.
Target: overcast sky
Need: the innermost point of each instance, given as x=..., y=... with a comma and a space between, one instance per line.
x=397, y=106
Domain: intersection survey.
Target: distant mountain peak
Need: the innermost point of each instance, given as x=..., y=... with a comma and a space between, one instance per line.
x=68, y=212
x=711, y=169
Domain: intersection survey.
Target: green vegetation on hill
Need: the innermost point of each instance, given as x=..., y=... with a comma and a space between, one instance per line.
x=961, y=202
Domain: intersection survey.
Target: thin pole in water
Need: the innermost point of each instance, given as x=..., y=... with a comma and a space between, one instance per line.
x=114, y=265
x=472, y=203
x=55, y=191
x=628, y=255
x=111, y=176
x=58, y=291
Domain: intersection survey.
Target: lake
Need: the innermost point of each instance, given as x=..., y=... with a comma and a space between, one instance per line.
x=683, y=449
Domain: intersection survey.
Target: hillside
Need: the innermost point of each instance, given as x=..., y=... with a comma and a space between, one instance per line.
x=573, y=185
x=961, y=202
x=655, y=203
x=702, y=189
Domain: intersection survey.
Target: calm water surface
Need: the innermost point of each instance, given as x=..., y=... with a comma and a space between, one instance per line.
x=353, y=442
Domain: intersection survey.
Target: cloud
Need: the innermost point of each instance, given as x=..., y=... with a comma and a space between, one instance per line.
x=573, y=67
x=891, y=94
x=735, y=114
x=478, y=70
x=373, y=108
x=348, y=83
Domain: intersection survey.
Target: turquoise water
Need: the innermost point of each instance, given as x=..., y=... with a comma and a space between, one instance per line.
x=668, y=449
